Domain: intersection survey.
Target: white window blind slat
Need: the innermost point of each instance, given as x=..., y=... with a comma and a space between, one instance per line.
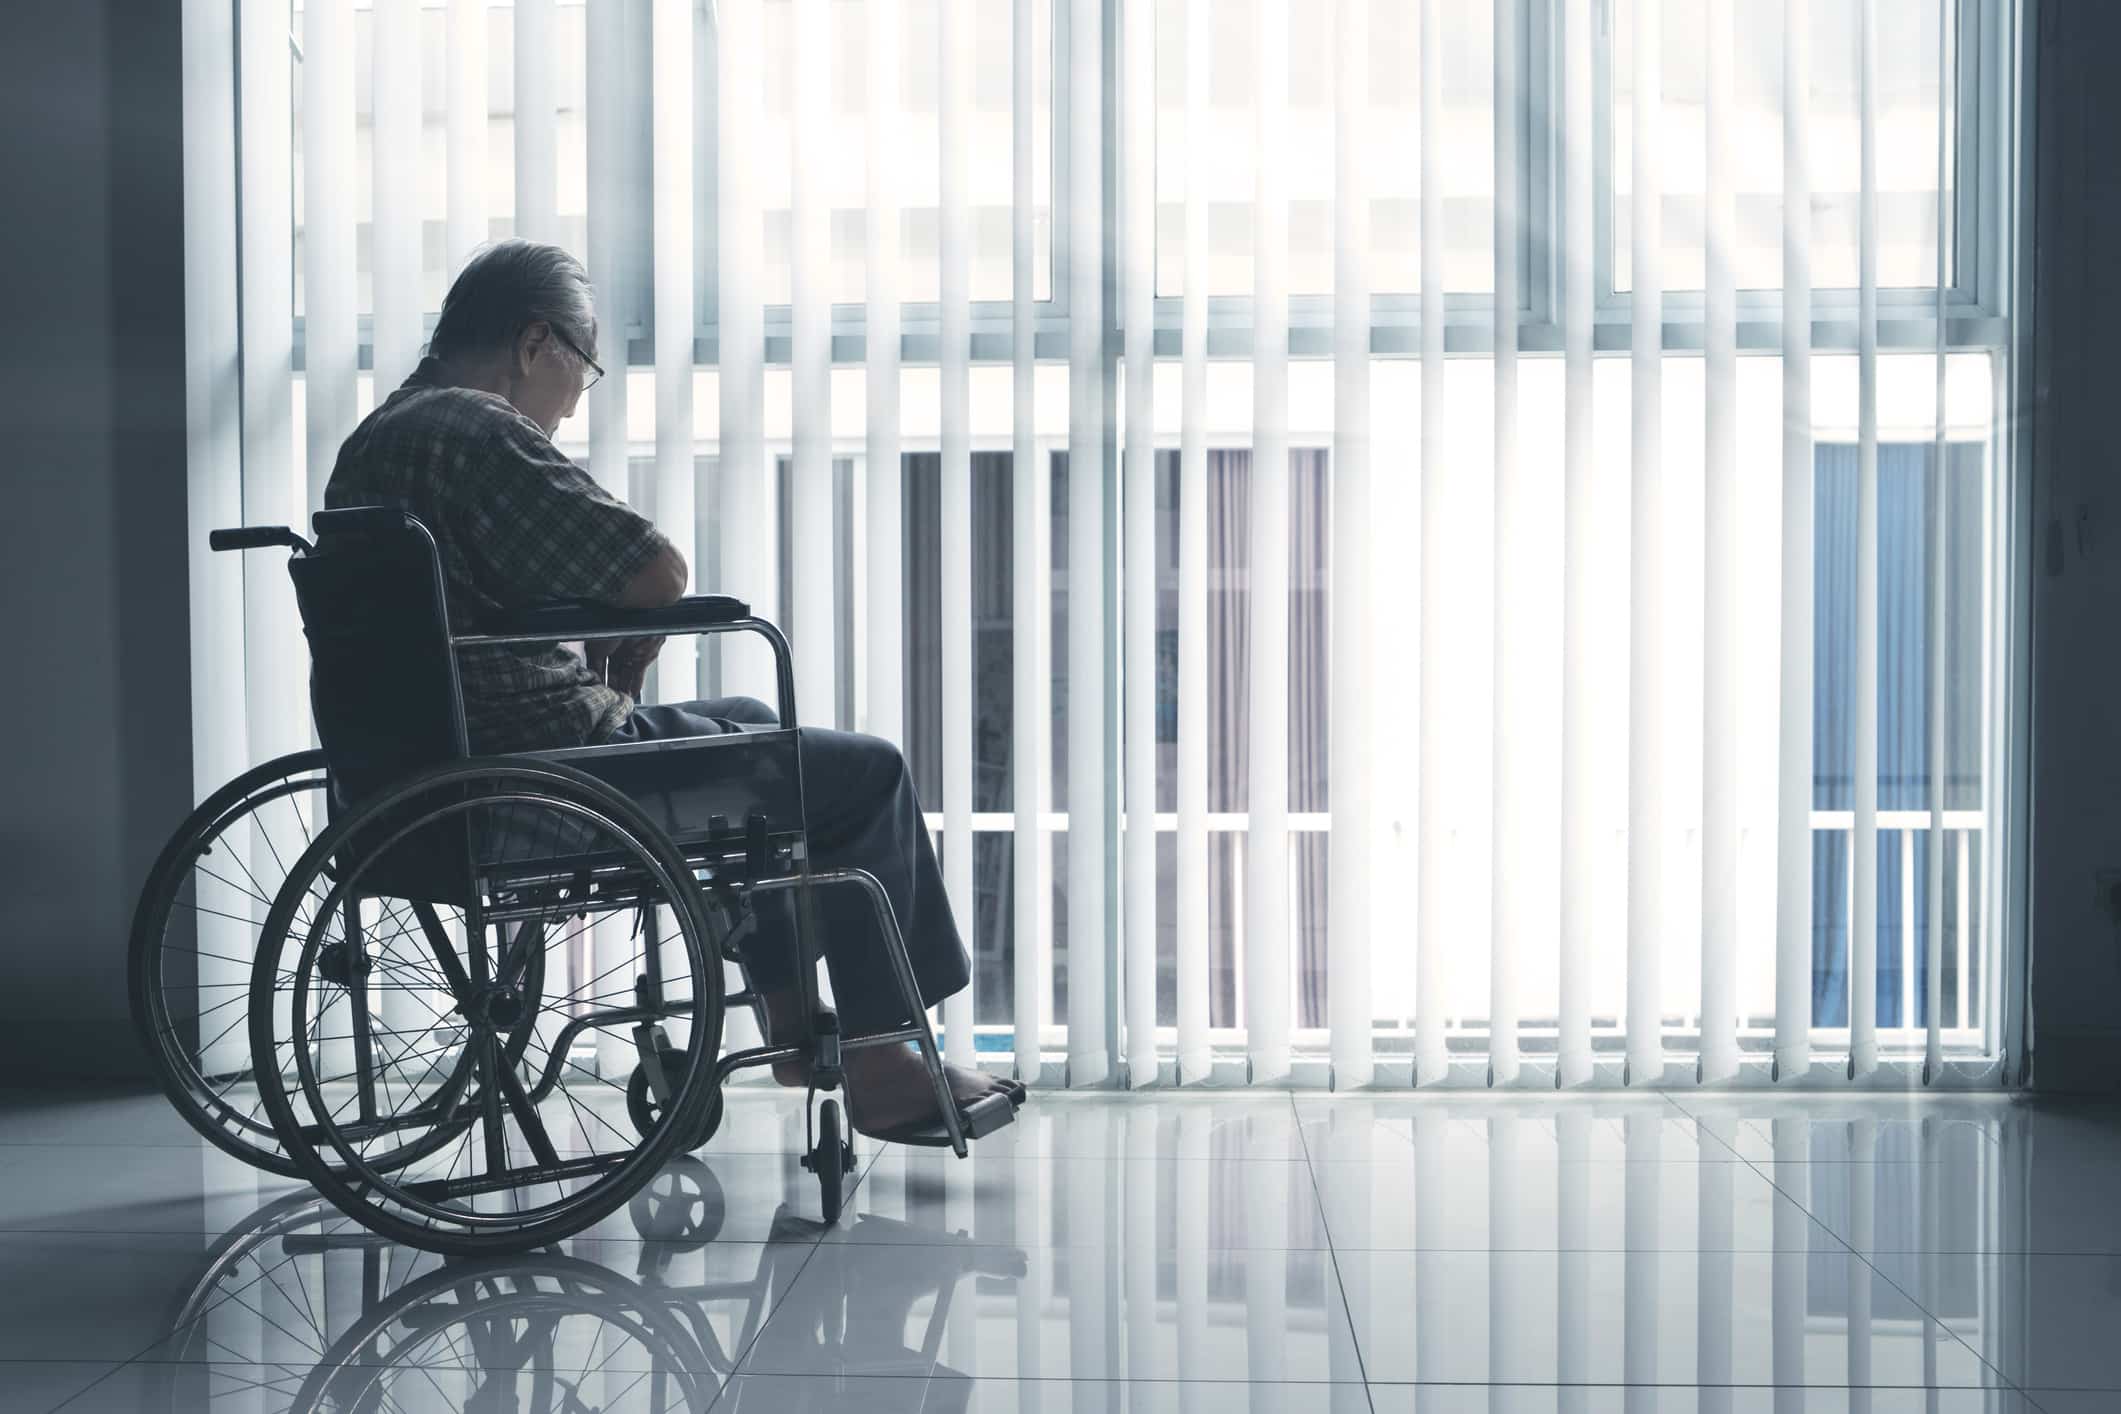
x=395, y=226
x=275, y=710
x=465, y=121
x=1431, y=1059
x=536, y=126
x=330, y=335
x=1863, y=843
x=1139, y=587
x=1793, y=852
x=810, y=627
x=1267, y=952
x=1348, y=912
x=884, y=701
x=747, y=556
x=213, y=420
x=1940, y=580
x=954, y=74
x=1721, y=695
x=605, y=39
x=675, y=479
x=1031, y=576
x=1192, y=902
x=1578, y=750
x=1508, y=897
x=1088, y=1062
x=1646, y=552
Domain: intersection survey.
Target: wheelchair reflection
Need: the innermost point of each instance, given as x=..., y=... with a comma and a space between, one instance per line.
x=299, y=1309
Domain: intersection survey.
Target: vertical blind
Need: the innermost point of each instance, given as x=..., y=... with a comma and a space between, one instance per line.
x=1535, y=281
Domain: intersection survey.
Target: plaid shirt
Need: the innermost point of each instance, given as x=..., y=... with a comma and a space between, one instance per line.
x=517, y=523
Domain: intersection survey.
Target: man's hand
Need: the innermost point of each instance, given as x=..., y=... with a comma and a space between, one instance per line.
x=627, y=661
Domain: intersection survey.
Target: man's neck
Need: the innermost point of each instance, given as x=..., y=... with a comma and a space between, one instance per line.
x=484, y=376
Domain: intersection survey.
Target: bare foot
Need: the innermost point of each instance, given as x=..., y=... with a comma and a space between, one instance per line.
x=784, y=1018
x=889, y=1084
x=888, y=1088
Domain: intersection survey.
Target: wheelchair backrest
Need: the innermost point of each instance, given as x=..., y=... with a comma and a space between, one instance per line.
x=383, y=677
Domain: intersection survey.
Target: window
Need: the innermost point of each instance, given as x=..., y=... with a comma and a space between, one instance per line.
x=445, y=124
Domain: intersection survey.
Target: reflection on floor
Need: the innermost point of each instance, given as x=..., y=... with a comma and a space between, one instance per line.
x=1309, y=1253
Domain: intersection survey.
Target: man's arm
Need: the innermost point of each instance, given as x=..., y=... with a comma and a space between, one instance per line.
x=658, y=582
x=624, y=663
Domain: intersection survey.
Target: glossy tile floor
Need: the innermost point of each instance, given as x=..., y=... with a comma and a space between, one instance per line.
x=1317, y=1254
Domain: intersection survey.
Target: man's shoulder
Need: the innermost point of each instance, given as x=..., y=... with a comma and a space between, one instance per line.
x=451, y=411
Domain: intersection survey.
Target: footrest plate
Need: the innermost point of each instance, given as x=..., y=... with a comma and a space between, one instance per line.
x=979, y=1119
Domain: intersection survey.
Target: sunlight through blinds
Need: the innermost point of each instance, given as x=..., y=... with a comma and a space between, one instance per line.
x=675, y=479
x=536, y=133
x=1031, y=594
x=1560, y=180
x=1718, y=1060
x=1194, y=1059
x=1349, y=934
x=1863, y=863
x=1793, y=851
x=1939, y=585
x=1507, y=894
x=1139, y=588
x=1431, y=1059
x=955, y=355
x=1579, y=838
x=330, y=335
x=885, y=701
x=748, y=559
x=464, y=128
x=1088, y=1063
x=1267, y=951
x=1646, y=553
x=395, y=228
x=605, y=37
x=810, y=493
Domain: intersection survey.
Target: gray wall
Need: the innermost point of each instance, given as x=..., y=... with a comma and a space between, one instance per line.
x=2076, y=660
x=94, y=721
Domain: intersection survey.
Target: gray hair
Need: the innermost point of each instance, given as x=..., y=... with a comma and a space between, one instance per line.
x=505, y=288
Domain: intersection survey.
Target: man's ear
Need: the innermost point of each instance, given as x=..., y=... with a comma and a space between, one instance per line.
x=536, y=336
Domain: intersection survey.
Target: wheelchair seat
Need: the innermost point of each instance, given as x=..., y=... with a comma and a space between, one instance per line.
x=387, y=699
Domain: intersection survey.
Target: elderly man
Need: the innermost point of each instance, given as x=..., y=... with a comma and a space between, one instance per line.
x=466, y=445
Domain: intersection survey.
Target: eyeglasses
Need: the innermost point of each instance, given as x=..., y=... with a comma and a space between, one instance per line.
x=596, y=373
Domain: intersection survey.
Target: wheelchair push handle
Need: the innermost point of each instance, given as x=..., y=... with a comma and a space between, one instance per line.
x=257, y=537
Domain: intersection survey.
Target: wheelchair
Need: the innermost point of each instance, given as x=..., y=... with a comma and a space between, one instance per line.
x=478, y=1001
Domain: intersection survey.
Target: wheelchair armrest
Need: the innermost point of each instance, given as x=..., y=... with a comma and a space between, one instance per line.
x=575, y=618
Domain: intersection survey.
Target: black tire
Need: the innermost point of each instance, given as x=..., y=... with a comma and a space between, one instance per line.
x=829, y=1161
x=217, y=1105
x=447, y=1212
x=646, y=1111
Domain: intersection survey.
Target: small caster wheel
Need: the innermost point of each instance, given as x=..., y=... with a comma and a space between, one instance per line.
x=646, y=1110
x=832, y=1160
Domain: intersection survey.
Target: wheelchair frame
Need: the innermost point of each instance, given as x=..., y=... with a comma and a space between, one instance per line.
x=725, y=870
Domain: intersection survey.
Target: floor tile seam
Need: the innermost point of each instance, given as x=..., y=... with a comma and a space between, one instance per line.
x=1340, y=1281
x=1942, y=1324
x=1879, y=1272
x=817, y=1244
x=1671, y=1098
x=84, y=1390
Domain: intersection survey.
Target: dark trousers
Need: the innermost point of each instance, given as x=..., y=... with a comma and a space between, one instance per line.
x=863, y=814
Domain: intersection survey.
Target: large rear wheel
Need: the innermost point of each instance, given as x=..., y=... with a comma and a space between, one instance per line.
x=520, y=926
x=195, y=933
